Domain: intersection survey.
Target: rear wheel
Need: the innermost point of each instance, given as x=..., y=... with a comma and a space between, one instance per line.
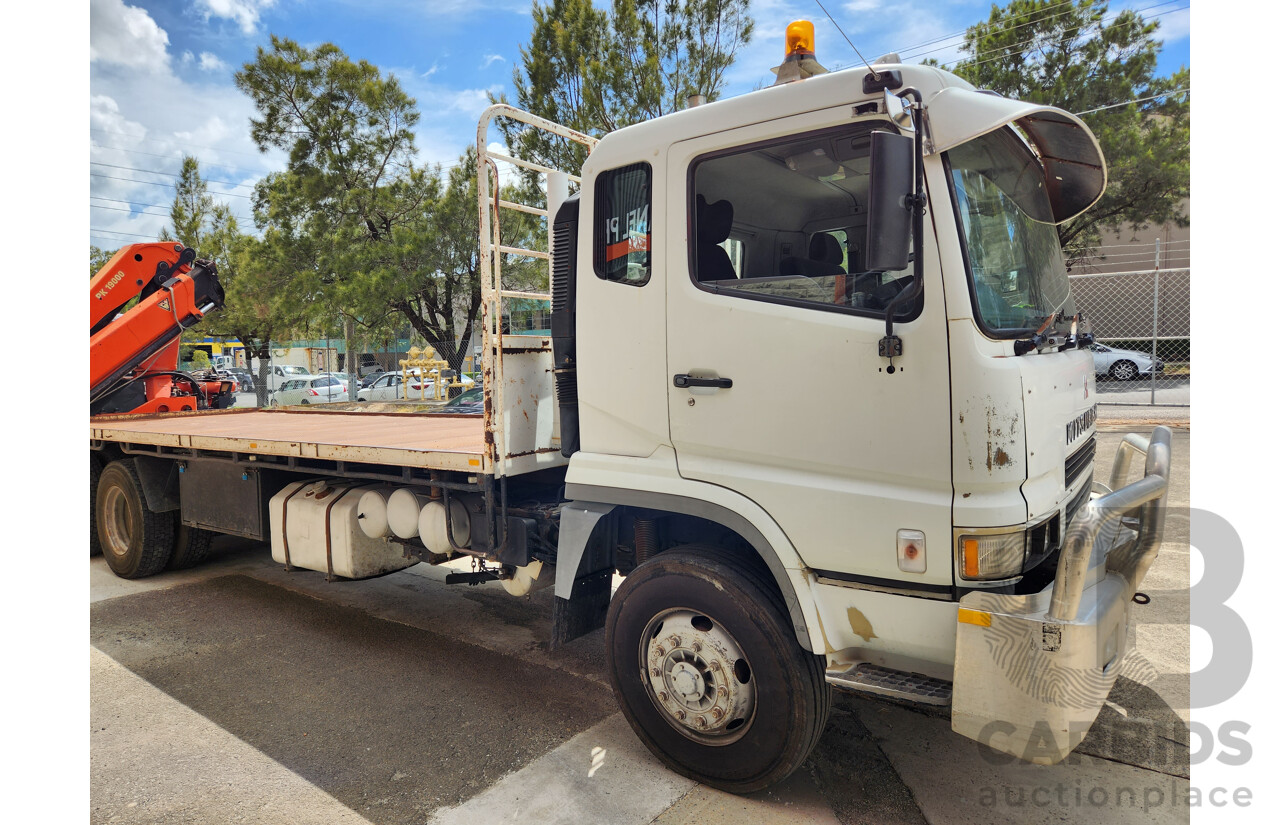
x=706, y=667
x=95, y=472
x=190, y=545
x=135, y=541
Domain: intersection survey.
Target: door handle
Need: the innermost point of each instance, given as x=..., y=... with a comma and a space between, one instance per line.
x=685, y=381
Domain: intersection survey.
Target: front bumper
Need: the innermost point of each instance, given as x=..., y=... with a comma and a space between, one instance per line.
x=1033, y=671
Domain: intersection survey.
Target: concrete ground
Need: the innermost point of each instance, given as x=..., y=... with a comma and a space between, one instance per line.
x=238, y=692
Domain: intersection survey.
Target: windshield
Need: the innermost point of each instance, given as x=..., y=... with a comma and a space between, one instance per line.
x=296, y=370
x=1017, y=275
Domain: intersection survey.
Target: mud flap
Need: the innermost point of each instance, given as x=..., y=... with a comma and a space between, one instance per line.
x=1032, y=687
x=584, y=571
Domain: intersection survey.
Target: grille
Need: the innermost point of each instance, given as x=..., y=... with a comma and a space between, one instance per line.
x=1080, y=460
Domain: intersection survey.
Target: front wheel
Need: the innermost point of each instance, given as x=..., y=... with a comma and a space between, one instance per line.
x=706, y=667
x=1124, y=370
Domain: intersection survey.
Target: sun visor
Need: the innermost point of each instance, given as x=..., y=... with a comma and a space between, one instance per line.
x=1075, y=172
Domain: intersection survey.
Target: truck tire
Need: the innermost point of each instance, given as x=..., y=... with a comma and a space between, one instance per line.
x=190, y=545
x=95, y=472
x=705, y=665
x=135, y=541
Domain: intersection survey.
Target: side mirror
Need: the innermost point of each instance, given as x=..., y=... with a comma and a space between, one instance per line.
x=896, y=108
x=888, y=210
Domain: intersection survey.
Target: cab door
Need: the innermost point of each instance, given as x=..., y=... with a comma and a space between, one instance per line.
x=776, y=389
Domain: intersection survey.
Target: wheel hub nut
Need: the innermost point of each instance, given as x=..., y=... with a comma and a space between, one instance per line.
x=702, y=721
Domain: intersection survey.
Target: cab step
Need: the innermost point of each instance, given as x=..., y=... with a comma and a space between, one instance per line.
x=898, y=684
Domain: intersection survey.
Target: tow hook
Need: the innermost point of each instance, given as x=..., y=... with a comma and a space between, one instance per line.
x=1141, y=598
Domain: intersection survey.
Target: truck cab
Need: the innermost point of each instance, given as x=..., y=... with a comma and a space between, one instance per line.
x=905, y=440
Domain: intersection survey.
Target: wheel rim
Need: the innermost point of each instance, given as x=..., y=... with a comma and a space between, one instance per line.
x=1124, y=370
x=697, y=676
x=116, y=521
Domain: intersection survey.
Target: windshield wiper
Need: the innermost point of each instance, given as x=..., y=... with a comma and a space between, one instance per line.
x=1079, y=336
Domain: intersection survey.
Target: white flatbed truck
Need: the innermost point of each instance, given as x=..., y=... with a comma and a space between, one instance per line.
x=815, y=386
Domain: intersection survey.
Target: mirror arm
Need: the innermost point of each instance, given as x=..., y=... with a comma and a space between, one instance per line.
x=891, y=345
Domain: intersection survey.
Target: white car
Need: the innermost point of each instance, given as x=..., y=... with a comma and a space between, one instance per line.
x=387, y=387
x=1124, y=364
x=313, y=389
x=280, y=373
x=340, y=377
x=390, y=386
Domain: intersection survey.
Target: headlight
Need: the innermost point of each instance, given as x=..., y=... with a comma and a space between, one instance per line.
x=991, y=555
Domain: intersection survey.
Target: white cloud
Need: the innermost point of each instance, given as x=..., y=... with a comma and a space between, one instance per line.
x=244, y=12
x=1174, y=25
x=859, y=6
x=490, y=59
x=209, y=62
x=126, y=36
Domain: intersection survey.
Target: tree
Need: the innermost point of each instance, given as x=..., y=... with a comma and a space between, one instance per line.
x=597, y=71
x=98, y=258
x=255, y=279
x=352, y=214
x=1071, y=54
x=201, y=223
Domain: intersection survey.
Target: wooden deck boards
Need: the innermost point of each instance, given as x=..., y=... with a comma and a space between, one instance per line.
x=449, y=442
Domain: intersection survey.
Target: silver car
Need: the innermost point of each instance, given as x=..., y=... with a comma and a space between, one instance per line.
x=1124, y=364
x=313, y=389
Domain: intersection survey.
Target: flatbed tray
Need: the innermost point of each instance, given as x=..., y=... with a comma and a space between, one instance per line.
x=436, y=442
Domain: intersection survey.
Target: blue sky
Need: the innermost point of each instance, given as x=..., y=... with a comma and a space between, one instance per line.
x=160, y=79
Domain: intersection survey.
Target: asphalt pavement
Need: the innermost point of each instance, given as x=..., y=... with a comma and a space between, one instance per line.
x=239, y=692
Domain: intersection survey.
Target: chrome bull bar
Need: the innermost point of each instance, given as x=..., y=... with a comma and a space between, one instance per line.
x=1032, y=671
x=1132, y=559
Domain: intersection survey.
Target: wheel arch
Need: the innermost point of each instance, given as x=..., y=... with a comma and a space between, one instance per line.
x=614, y=501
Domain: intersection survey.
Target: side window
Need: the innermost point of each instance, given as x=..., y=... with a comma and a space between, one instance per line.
x=786, y=221
x=622, y=220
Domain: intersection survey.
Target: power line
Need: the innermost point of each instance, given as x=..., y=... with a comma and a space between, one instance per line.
x=233, y=169
x=987, y=25
x=99, y=232
x=165, y=185
x=962, y=35
x=167, y=174
x=184, y=143
x=999, y=53
x=130, y=211
x=1139, y=100
x=150, y=205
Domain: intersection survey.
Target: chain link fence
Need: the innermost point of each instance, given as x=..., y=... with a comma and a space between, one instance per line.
x=1142, y=325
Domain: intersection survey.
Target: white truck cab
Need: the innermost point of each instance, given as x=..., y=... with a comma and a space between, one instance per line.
x=903, y=434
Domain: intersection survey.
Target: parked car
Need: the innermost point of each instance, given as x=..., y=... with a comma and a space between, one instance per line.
x=244, y=378
x=1124, y=364
x=367, y=379
x=417, y=384
x=470, y=402
x=340, y=377
x=280, y=373
x=385, y=387
x=312, y=389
